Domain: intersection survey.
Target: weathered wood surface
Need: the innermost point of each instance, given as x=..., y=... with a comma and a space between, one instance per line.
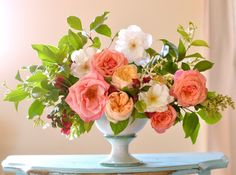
x=155, y=164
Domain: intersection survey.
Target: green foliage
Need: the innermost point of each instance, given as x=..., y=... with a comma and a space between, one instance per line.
x=185, y=66
x=74, y=22
x=191, y=126
x=181, y=50
x=170, y=67
x=183, y=33
x=18, y=77
x=203, y=65
x=118, y=127
x=140, y=105
x=130, y=91
x=173, y=50
x=35, y=109
x=48, y=54
x=138, y=115
x=145, y=88
x=16, y=95
x=194, y=55
x=96, y=43
x=151, y=52
x=104, y=30
x=99, y=20
x=75, y=40
x=37, y=77
x=210, y=117
x=38, y=92
x=199, y=43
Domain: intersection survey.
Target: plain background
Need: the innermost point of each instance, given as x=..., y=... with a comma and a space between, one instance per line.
x=44, y=21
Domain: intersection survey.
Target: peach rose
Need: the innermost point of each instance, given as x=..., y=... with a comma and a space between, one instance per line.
x=107, y=61
x=124, y=75
x=119, y=107
x=88, y=97
x=161, y=121
x=189, y=88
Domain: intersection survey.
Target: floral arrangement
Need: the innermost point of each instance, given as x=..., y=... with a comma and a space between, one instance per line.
x=78, y=81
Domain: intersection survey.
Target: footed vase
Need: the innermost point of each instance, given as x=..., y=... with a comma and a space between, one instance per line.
x=119, y=155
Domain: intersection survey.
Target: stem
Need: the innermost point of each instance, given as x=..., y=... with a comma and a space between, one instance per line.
x=184, y=108
x=113, y=38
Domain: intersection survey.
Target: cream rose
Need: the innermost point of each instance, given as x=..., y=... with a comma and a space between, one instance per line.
x=124, y=75
x=119, y=107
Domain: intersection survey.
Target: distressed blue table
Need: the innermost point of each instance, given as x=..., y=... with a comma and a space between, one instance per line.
x=155, y=164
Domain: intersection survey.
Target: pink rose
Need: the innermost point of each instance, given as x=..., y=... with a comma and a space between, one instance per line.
x=88, y=97
x=107, y=61
x=161, y=121
x=189, y=87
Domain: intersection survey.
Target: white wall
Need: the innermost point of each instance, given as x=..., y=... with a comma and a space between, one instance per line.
x=44, y=21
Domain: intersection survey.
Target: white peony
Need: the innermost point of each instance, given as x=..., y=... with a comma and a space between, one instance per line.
x=81, y=61
x=132, y=42
x=156, y=98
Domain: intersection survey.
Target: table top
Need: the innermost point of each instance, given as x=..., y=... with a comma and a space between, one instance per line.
x=90, y=163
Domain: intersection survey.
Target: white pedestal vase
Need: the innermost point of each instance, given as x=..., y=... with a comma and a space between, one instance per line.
x=120, y=155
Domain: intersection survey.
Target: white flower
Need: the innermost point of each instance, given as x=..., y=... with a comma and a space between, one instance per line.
x=156, y=98
x=132, y=42
x=81, y=61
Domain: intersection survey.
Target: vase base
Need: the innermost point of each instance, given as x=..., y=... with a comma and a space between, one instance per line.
x=109, y=162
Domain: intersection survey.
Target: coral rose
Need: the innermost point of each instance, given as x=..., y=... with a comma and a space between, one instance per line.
x=88, y=97
x=119, y=107
x=161, y=121
x=189, y=88
x=107, y=61
x=124, y=76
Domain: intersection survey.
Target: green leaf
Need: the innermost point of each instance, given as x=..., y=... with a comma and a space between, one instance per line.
x=33, y=68
x=145, y=88
x=88, y=126
x=210, y=117
x=74, y=22
x=211, y=94
x=48, y=54
x=183, y=33
x=63, y=41
x=104, y=30
x=38, y=92
x=173, y=50
x=96, y=43
x=130, y=91
x=203, y=65
x=195, y=134
x=16, y=95
x=170, y=67
x=37, y=77
x=75, y=40
x=199, y=43
x=151, y=52
x=53, y=95
x=140, y=105
x=18, y=77
x=185, y=66
x=137, y=114
x=118, y=127
x=190, y=123
x=83, y=37
x=99, y=20
x=195, y=55
x=181, y=50
x=35, y=109
x=16, y=104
